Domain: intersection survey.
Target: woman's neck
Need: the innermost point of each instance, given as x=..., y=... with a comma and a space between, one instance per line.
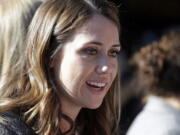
x=71, y=110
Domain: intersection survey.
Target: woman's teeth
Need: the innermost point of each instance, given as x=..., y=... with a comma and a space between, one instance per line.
x=95, y=84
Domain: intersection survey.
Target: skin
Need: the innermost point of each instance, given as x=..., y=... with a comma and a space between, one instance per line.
x=90, y=56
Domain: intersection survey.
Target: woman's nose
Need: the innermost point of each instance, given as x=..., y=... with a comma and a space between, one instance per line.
x=102, y=69
x=103, y=66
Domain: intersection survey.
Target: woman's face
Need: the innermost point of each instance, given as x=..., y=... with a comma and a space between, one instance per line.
x=88, y=63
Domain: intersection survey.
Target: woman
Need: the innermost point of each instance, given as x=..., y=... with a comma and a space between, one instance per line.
x=70, y=80
x=158, y=73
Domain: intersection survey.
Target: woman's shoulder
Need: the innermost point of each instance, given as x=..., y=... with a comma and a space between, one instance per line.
x=14, y=125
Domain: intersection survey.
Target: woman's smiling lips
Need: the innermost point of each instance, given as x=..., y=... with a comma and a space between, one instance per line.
x=96, y=86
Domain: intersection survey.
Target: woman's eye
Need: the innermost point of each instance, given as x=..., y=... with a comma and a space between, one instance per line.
x=114, y=53
x=90, y=51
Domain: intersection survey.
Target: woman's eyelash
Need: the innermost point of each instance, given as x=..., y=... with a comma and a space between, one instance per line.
x=90, y=51
x=114, y=53
x=94, y=51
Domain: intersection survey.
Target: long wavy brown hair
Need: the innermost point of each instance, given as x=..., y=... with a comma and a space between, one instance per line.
x=39, y=100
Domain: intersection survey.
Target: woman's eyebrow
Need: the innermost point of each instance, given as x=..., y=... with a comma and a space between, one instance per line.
x=117, y=45
x=100, y=44
x=95, y=43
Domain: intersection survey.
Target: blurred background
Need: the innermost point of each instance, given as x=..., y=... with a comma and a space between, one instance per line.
x=143, y=22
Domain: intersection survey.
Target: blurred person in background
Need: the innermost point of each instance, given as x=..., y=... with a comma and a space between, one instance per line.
x=15, y=17
x=158, y=71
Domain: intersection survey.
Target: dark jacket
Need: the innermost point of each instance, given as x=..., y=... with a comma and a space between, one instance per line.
x=14, y=125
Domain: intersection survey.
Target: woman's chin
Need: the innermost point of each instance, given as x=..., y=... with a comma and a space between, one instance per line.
x=94, y=106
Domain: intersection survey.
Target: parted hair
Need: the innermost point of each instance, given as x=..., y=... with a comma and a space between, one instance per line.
x=159, y=65
x=38, y=98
